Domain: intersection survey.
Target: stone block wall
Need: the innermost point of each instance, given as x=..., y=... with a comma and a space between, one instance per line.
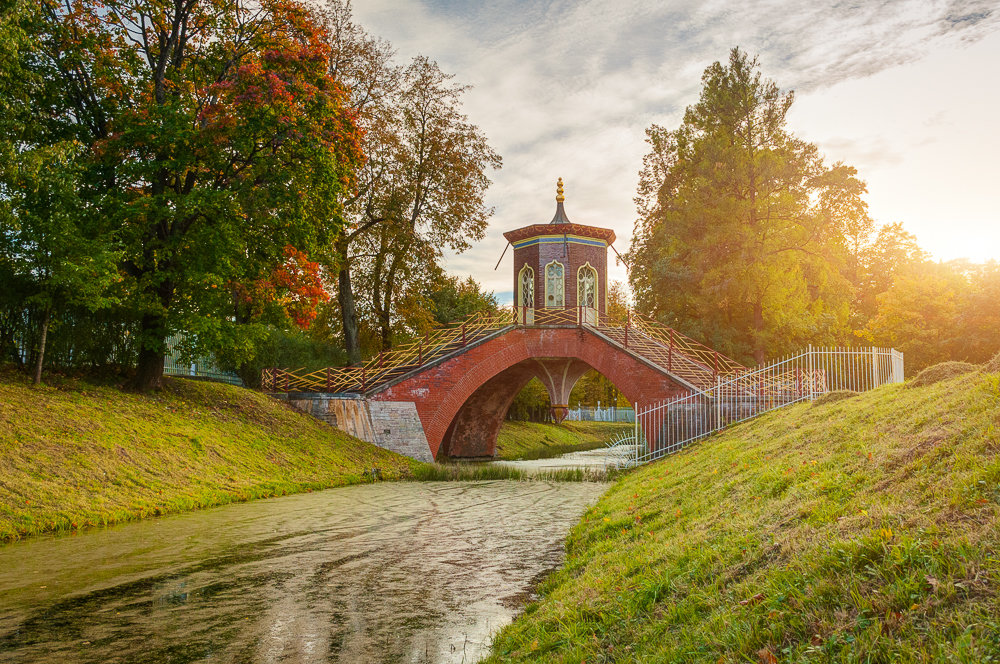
x=391, y=425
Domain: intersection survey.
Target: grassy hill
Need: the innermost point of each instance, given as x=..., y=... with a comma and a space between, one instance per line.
x=863, y=530
x=535, y=440
x=75, y=454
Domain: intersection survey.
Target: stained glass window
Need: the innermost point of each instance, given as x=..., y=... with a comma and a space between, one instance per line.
x=527, y=287
x=554, y=285
x=586, y=289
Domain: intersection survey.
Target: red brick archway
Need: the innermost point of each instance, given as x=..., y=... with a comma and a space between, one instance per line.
x=462, y=401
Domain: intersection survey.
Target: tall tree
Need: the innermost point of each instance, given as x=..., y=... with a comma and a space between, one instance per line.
x=422, y=187
x=888, y=253
x=740, y=237
x=365, y=64
x=216, y=136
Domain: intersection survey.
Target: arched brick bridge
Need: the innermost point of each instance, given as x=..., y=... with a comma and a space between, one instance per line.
x=448, y=394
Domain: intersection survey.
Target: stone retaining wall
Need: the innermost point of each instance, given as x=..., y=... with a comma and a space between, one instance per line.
x=392, y=425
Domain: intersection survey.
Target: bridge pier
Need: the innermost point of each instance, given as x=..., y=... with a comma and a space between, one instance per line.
x=559, y=375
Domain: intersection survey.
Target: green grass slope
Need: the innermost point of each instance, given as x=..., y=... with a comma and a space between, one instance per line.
x=535, y=440
x=864, y=530
x=75, y=454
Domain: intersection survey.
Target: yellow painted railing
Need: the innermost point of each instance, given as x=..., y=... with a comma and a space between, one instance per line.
x=658, y=344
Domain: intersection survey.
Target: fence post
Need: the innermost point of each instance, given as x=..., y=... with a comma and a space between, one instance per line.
x=420, y=352
x=718, y=402
x=812, y=375
x=364, y=378
x=874, y=368
x=328, y=381
x=285, y=371
x=715, y=366
x=463, y=333
x=635, y=406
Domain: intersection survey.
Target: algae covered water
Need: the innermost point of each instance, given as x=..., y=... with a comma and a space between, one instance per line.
x=390, y=572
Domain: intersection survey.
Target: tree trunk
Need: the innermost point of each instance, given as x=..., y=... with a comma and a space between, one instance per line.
x=384, y=309
x=348, y=316
x=41, y=346
x=149, y=368
x=249, y=373
x=345, y=297
x=152, y=341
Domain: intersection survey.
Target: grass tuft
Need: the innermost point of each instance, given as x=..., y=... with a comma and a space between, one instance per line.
x=834, y=396
x=864, y=530
x=478, y=472
x=940, y=372
x=993, y=366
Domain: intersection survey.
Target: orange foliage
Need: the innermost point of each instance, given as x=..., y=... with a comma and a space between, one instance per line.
x=296, y=286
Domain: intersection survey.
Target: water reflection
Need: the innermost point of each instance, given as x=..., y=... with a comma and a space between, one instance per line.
x=400, y=572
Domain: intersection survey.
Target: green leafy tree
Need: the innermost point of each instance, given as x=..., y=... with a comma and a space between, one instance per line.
x=741, y=238
x=889, y=252
x=49, y=238
x=56, y=253
x=454, y=299
x=214, y=135
x=980, y=317
x=919, y=314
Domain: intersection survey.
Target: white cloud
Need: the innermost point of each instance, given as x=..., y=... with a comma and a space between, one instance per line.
x=568, y=88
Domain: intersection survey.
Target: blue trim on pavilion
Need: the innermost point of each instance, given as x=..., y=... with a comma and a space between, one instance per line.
x=559, y=239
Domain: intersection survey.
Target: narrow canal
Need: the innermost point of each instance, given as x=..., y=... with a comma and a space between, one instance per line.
x=390, y=572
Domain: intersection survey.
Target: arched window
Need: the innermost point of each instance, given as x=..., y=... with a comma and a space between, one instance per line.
x=586, y=293
x=526, y=287
x=586, y=286
x=554, y=284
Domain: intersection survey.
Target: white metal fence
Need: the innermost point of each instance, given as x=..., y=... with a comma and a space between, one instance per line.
x=599, y=414
x=201, y=368
x=667, y=426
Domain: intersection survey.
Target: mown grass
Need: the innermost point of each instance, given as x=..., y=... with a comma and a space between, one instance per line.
x=535, y=440
x=75, y=454
x=863, y=530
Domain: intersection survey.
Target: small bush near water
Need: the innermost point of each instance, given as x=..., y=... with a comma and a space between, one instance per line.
x=478, y=472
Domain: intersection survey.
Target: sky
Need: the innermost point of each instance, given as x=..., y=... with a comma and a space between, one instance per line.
x=905, y=91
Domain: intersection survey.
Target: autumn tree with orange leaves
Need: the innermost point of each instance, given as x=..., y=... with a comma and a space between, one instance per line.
x=215, y=143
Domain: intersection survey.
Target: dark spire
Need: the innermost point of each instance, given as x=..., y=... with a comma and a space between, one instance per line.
x=560, y=217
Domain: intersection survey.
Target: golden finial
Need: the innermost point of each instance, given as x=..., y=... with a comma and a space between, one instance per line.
x=559, y=192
